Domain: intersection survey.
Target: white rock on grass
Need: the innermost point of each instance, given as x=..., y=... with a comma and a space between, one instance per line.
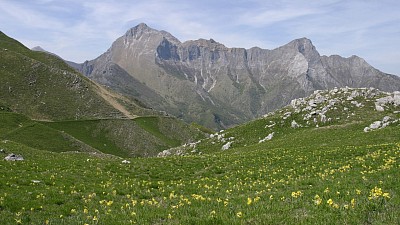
x=357, y=104
x=379, y=108
x=375, y=125
x=227, y=145
x=294, y=124
x=164, y=153
x=272, y=124
x=13, y=157
x=396, y=98
x=386, y=121
x=323, y=118
x=267, y=138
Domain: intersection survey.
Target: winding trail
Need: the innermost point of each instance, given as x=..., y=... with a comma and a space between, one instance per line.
x=111, y=99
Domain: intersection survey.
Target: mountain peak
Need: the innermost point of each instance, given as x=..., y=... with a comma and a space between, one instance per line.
x=142, y=26
x=138, y=30
x=38, y=49
x=302, y=44
x=142, y=29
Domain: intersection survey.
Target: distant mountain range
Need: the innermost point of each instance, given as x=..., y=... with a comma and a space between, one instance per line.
x=218, y=87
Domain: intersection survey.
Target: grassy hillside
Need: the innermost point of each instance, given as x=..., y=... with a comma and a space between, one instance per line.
x=124, y=138
x=43, y=86
x=144, y=136
x=335, y=120
x=335, y=173
x=21, y=129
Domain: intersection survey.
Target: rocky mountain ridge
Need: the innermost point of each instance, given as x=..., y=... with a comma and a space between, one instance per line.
x=217, y=86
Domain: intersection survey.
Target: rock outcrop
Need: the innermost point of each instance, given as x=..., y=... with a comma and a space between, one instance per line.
x=334, y=109
x=13, y=157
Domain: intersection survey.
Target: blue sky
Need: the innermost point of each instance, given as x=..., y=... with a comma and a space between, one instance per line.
x=79, y=30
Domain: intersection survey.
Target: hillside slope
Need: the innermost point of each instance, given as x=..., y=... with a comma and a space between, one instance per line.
x=141, y=137
x=334, y=118
x=43, y=87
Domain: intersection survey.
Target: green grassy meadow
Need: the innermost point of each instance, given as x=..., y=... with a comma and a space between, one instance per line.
x=255, y=185
x=143, y=136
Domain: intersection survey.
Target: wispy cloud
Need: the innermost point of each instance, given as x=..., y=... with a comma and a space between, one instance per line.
x=22, y=14
x=79, y=30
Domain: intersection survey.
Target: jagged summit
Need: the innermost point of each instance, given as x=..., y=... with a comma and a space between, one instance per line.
x=205, y=81
x=304, y=45
x=141, y=29
x=138, y=31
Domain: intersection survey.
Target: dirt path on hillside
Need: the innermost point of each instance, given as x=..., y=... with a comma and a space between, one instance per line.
x=111, y=99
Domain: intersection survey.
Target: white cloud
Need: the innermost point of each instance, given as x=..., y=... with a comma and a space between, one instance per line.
x=79, y=30
x=22, y=14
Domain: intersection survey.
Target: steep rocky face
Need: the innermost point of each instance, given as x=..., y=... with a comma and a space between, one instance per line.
x=206, y=82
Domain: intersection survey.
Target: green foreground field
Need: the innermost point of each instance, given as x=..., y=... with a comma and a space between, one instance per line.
x=253, y=185
x=334, y=172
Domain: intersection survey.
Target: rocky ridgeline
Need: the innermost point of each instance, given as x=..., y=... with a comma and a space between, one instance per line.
x=323, y=108
x=335, y=107
x=216, y=86
x=315, y=108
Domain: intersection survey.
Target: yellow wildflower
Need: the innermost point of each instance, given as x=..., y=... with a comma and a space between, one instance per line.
x=375, y=193
x=317, y=200
x=353, y=203
x=296, y=194
x=249, y=201
x=213, y=213
x=386, y=195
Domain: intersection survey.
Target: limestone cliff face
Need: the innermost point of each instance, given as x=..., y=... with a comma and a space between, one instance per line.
x=206, y=82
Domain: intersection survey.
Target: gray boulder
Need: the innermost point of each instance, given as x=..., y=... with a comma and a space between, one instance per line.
x=375, y=125
x=294, y=124
x=226, y=146
x=267, y=138
x=13, y=157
